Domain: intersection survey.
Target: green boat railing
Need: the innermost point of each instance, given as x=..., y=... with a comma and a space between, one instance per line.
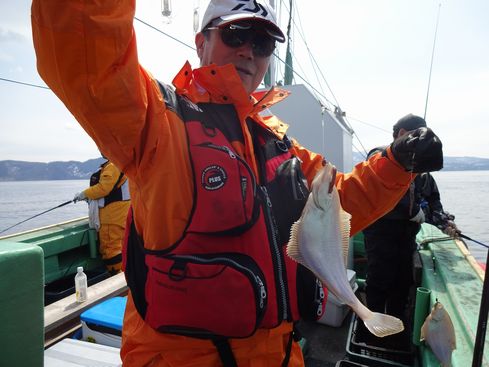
x=455, y=280
x=449, y=274
x=32, y=259
x=65, y=246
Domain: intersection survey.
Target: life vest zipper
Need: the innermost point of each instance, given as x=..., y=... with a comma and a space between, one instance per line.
x=281, y=289
x=235, y=264
x=233, y=155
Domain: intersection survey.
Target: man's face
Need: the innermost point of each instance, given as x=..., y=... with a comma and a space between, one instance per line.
x=251, y=68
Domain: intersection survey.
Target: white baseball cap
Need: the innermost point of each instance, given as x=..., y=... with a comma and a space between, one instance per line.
x=222, y=12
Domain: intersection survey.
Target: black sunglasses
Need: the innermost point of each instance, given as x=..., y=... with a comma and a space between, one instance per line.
x=237, y=34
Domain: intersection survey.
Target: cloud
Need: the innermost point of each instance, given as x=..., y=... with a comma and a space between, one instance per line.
x=7, y=35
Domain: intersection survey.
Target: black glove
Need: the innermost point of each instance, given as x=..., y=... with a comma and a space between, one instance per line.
x=419, y=151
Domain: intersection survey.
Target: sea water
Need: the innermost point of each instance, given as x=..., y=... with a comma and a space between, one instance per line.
x=20, y=200
x=464, y=194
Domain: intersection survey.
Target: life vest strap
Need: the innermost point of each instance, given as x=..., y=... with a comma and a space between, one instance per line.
x=227, y=357
x=225, y=352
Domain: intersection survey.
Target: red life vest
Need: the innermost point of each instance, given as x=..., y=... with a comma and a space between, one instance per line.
x=229, y=273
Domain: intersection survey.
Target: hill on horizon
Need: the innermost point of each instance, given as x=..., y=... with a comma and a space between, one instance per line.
x=11, y=170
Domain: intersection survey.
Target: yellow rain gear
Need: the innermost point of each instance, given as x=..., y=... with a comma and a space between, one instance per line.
x=112, y=217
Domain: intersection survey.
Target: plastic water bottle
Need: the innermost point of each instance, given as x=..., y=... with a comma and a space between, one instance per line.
x=80, y=285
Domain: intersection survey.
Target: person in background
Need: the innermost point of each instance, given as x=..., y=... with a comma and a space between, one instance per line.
x=390, y=242
x=215, y=182
x=109, y=190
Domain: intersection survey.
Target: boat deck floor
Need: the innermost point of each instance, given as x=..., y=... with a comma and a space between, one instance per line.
x=325, y=345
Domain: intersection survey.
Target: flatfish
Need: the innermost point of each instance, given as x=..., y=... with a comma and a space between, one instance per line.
x=438, y=332
x=319, y=240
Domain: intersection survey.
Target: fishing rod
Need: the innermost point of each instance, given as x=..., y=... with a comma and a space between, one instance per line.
x=480, y=336
x=471, y=239
x=34, y=216
x=447, y=238
x=431, y=66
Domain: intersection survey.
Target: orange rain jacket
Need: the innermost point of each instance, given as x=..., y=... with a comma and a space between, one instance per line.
x=86, y=52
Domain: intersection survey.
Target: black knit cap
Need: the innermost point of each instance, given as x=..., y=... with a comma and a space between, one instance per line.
x=409, y=122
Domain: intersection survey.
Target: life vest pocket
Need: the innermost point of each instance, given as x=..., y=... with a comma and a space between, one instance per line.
x=225, y=189
x=205, y=296
x=288, y=193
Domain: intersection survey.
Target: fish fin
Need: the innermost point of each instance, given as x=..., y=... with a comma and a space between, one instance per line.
x=422, y=335
x=293, y=246
x=345, y=234
x=382, y=325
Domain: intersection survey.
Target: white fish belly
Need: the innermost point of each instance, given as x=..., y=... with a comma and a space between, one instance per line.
x=320, y=244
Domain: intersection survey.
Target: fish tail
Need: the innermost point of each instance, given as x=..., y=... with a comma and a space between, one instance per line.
x=382, y=325
x=293, y=246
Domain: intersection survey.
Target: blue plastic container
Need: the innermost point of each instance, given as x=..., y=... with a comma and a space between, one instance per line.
x=102, y=324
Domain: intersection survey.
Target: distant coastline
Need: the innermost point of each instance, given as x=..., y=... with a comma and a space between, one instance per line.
x=11, y=170
x=450, y=163
x=36, y=171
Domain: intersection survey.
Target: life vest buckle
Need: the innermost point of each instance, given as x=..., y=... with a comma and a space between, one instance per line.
x=178, y=271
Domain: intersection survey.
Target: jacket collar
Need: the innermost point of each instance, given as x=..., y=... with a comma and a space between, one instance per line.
x=221, y=84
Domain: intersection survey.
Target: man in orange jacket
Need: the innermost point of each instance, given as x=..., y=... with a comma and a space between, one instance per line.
x=215, y=185
x=109, y=187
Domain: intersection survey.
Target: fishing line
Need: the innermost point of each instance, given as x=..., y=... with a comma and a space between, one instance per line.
x=166, y=34
x=23, y=83
x=34, y=216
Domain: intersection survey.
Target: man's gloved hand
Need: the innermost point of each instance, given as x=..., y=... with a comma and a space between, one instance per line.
x=79, y=197
x=419, y=151
x=450, y=229
x=419, y=217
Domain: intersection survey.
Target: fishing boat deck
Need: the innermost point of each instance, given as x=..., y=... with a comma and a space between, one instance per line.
x=447, y=271
x=325, y=345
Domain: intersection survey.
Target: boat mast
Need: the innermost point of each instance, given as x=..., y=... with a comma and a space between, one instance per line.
x=270, y=77
x=289, y=73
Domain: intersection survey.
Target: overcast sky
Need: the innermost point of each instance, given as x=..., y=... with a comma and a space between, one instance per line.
x=374, y=55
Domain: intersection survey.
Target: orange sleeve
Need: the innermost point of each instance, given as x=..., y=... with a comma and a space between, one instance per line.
x=372, y=189
x=311, y=162
x=369, y=191
x=86, y=53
